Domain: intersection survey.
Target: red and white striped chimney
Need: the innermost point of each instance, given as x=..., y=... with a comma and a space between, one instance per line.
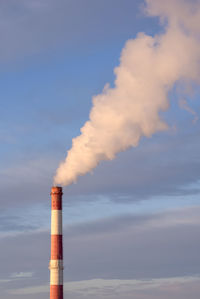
x=56, y=262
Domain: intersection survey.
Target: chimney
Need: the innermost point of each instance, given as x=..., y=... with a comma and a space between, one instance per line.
x=56, y=262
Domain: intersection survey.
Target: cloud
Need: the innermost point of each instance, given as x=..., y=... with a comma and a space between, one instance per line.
x=13, y=224
x=134, y=248
x=137, y=223
x=149, y=249
x=103, y=288
x=19, y=275
x=26, y=182
x=16, y=276
x=4, y=280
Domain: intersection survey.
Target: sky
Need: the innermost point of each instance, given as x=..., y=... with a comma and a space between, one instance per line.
x=131, y=225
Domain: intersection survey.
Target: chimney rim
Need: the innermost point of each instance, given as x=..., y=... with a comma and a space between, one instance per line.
x=56, y=190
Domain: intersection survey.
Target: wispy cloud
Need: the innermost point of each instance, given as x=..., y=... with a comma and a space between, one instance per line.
x=4, y=280
x=109, y=286
x=19, y=275
x=184, y=105
x=131, y=252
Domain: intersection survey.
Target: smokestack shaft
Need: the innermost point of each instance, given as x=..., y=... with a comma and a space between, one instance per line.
x=56, y=262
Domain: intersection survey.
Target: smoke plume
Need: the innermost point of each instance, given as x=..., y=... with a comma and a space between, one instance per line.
x=149, y=67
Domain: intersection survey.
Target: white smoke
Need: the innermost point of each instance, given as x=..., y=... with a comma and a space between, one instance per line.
x=149, y=67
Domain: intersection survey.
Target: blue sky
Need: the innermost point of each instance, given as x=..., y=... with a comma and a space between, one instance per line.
x=131, y=226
